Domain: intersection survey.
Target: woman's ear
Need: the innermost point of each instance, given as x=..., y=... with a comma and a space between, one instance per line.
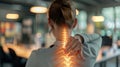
x=50, y=23
x=75, y=23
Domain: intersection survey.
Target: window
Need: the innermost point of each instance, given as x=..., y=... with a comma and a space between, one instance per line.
x=82, y=22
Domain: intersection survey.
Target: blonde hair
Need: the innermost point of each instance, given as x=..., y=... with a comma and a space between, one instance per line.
x=62, y=12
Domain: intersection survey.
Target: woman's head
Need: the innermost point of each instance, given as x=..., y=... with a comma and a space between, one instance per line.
x=61, y=14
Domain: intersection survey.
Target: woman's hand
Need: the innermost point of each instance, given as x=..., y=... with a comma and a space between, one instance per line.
x=74, y=46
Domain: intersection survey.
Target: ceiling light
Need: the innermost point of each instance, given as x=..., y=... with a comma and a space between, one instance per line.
x=12, y=16
x=38, y=9
x=97, y=18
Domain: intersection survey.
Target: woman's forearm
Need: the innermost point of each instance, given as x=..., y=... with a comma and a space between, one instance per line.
x=88, y=37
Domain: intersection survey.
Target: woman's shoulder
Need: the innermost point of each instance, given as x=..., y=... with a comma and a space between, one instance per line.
x=42, y=51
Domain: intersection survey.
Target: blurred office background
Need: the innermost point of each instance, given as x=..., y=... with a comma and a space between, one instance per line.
x=24, y=28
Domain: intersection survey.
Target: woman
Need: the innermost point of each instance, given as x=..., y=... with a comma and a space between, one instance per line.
x=62, y=15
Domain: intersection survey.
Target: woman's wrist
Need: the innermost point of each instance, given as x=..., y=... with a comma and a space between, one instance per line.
x=78, y=36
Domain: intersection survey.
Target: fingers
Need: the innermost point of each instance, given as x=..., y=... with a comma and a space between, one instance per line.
x=81, y=55
x=69, y=44
x=73, y=45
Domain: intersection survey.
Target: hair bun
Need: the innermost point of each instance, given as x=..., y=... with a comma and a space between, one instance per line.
x=62, y=1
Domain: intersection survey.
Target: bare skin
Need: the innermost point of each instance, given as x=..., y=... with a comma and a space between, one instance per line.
x=74, y=45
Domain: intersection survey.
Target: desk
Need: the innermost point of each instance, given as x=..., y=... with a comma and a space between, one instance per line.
x=20, y=50
x=103, y=61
